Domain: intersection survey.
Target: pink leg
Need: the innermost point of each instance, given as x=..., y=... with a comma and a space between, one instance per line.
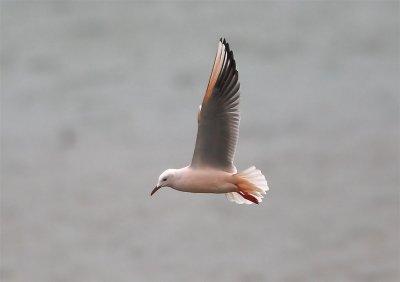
x=248, y=197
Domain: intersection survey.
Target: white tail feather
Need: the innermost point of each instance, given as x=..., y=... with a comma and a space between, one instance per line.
x=255, y=185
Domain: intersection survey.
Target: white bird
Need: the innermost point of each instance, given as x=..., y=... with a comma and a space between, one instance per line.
x=212, y=169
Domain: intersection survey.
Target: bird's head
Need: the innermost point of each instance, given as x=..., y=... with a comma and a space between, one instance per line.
x=164, y=180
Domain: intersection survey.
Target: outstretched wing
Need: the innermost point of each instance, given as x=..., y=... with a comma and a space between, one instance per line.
x=218, y=118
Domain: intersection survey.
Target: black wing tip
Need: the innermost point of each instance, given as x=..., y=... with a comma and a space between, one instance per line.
x=230, y=69
x=224, y=41
x=227, y=49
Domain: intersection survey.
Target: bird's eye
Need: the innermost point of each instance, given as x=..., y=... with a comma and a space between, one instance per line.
x=164, y=179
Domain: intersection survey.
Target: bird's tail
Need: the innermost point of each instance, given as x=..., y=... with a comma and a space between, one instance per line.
x=252, y=186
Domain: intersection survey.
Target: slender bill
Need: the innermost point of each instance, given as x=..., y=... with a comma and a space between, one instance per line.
x=155, y=190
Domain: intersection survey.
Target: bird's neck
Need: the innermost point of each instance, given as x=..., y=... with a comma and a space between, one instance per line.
x=179, y=178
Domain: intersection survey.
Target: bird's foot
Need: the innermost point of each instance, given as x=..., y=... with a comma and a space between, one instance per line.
x=248, y=197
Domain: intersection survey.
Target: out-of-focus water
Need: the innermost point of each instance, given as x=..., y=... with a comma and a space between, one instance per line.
x=98, y=98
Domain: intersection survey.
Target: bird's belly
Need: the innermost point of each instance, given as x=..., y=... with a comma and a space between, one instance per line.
x=208, y=182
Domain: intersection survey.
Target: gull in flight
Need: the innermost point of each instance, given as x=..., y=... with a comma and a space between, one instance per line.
x=212, y=169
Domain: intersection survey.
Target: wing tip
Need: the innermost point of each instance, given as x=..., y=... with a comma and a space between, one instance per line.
x=224, y=69
x=225, y=43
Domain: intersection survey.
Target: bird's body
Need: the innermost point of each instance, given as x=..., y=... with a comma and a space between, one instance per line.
x=212, y=169
x=207, y=180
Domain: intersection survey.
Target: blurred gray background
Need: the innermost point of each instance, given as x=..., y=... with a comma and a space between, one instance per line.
x=99, y=97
